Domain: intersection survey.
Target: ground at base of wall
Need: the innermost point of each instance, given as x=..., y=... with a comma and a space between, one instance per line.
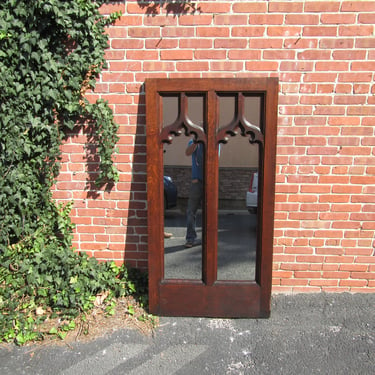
x=127, y=314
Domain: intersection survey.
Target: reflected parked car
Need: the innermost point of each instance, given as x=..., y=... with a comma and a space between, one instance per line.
x=252, y=194
x=170, y=193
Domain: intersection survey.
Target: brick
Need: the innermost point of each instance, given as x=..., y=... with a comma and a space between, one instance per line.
x=212, y=54
x=299, y=179
x=365, y=43
x=177, y=32
x=362, y=110
x=301, y=19
x=363, y=275
x=195, y=43
x=230, y=19
x=294, y=282
x=345, y=207
x=230, y=43
x=266, y=19
x=142, y=55
x=129, y=20
x=334, y=198
x=358, y=6
x=272, y=43
x=349, y=55
x=358, y=30
x=226, y=65
x=300, y=43
x=363, y=66
x=310, y=141
x=330, y=251
x=319, y=77
x=365, y=259
x=248, y=31
x=366, y=18
x=117, y=32
x=333, y=43
x=296, y=65
x=135, y=8
x=304, y=160
x=353, y=267
x=321, y=6
x=329, y=110
x=292, y=88
x=310, y=54
x=176, y=55
x=337, y=18
x=319, y=31
x=192, y=66
x=332, y=66
x=214, y=7
x=144, y=32
x=303, y=198
x=336, y=160
x=115, y=54
x=316, y=207
x=262, y=65
x=117, y=77
x=284, y=30
x=110, y=8
x=282, y=274
x=196, y=19
x=343, y=121
x=318, y=189
x=279, y=55
x=212, y=32
x=353, y=283
x=295, y=110
x=240, y=54
x=323, y=282
x=160, y=20
x=250, y=7
x=307, y=275
x=316, y=99
x=161, y=43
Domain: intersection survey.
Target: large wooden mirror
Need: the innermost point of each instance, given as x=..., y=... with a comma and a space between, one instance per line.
x=211, y=159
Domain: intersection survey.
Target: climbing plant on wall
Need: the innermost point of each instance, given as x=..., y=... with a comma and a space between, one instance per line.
x=51, y=52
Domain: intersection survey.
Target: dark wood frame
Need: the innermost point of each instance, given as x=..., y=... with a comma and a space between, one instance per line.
x=210, y=297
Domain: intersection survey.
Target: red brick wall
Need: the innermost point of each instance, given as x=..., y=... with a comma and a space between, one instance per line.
x=324, y=55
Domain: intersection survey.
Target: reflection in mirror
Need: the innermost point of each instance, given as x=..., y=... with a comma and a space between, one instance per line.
x=181, y=261
x=252, y=109
x=170, y=109
x=195, y=109
x=238, y=200
x=227, y=107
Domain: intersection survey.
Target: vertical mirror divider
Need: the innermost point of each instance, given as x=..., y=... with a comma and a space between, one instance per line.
x=211, y=191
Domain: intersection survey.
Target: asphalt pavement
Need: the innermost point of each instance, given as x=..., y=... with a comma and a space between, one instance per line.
x=306, y=334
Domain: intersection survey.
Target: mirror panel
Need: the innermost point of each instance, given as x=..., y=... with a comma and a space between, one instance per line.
x=170, y=106
x=237, y=218
x=252, y=109
x=196, y=108
x=227, y=109
x=180, y=262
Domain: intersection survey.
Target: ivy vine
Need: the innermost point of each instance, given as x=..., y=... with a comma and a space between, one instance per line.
x=51, y=52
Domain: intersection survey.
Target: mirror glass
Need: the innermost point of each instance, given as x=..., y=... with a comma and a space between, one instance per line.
x=238, y=195
x=170, y=109
x=183, y=194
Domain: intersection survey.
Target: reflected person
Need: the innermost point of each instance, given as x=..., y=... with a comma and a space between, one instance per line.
x=195, y=150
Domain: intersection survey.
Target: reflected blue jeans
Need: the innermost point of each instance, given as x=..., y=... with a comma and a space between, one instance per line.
x=194, y=202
